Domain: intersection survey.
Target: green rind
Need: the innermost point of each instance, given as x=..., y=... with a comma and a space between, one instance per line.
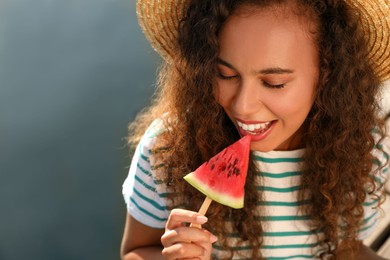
x=209, y=192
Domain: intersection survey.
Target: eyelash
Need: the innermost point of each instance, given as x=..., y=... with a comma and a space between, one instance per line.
x=220, y=75
x=266, y=84
x=279, y=86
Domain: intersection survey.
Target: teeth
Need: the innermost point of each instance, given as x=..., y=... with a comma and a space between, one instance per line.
x=253, y=127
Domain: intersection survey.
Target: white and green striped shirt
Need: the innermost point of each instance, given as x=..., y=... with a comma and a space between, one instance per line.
x=287, y=234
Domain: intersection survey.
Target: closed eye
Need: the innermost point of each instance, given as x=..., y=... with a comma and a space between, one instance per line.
x=225, y=77
x=268, y=85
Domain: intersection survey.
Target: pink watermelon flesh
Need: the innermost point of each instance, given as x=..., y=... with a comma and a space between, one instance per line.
x=223, y=177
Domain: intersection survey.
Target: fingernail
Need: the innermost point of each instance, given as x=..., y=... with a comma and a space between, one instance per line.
x=213, y=238
x=201, y=219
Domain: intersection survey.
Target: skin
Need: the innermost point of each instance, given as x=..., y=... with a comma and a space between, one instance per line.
x=271, y=76
x=254, y=49
x=177, y=241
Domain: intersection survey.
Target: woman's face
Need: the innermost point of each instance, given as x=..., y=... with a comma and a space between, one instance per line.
x=267, y=76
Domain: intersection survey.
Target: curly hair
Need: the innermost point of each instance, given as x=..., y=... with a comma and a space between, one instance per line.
x=338, y=138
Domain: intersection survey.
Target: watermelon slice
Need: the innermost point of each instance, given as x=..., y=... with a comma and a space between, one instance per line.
x=222, y=178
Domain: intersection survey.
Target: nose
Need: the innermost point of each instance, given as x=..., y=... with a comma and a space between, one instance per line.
x=247, y=100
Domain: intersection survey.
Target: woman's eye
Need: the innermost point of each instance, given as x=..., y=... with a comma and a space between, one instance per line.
x=268, y=85
x=226, y=77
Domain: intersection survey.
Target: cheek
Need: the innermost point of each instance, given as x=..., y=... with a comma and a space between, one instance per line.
x=223, y=94
x=294, y=106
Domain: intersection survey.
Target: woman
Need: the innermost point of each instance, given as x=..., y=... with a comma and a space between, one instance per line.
x=299, y=77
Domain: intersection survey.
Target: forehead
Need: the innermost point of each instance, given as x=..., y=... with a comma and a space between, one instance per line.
x=270, y=36
x=287, y=11
x=283, y=8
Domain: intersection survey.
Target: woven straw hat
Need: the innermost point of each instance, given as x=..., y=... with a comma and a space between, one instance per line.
x=159, y=20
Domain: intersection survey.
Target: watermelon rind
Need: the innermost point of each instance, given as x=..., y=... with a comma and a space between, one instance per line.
x=224, y=199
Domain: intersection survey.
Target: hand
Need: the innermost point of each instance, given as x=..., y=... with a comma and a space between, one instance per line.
x=184, y=242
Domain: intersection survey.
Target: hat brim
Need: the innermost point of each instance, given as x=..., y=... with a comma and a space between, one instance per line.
x=159, y=20
x=375, y=18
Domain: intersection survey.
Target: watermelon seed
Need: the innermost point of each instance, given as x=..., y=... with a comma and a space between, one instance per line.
x=222, y=167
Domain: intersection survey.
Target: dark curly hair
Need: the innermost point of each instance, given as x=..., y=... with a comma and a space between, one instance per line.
x=338, y=131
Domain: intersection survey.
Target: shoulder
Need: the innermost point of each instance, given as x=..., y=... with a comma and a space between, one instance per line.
x=152, y=132
x=380, y=160
x=144, y=194
x=151, y=135
x=381, y=149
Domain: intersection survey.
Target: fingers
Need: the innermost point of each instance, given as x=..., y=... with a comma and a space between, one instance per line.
x=188, y=251
x=187, y=234
x=183, y=251
x=180, y=216
x=181, y=241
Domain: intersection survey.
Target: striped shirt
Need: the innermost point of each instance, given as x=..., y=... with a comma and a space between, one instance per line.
x=287, y=233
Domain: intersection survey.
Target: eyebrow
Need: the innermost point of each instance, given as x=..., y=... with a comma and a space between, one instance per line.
x=274, y=70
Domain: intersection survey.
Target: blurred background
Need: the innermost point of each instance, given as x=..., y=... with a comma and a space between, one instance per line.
x=72, y=75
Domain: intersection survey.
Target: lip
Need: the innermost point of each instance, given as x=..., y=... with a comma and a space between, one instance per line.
x=256, y=136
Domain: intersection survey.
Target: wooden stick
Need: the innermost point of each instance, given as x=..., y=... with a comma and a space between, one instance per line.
x=203, y=209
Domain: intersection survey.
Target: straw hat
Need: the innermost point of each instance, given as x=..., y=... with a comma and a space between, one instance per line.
x=159, y=20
